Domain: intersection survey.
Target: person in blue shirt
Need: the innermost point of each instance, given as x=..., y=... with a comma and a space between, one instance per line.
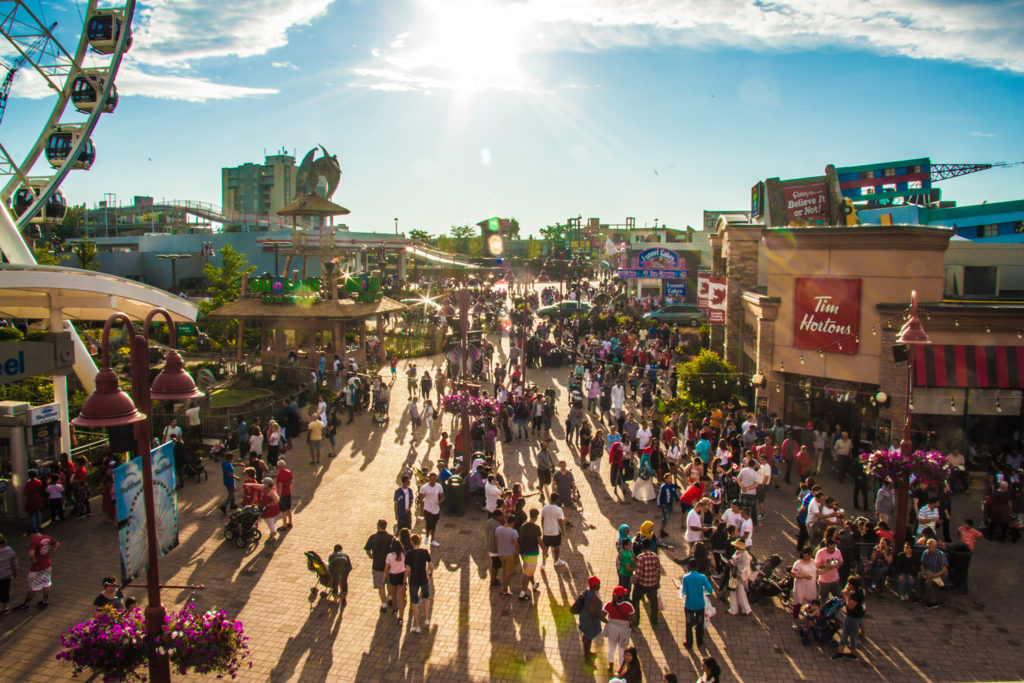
x=668, y=493
x=242, y=431
x=443, y=473
x=695, y=585
x=228, y=472
x=703, y=449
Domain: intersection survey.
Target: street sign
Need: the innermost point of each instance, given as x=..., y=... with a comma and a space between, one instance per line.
x=20, y=359
x=675, y=289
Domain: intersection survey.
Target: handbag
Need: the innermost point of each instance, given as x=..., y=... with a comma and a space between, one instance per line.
x=709, y=609
x=629, y=471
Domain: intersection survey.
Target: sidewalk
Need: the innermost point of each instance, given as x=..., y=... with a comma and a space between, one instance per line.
x=475, y=635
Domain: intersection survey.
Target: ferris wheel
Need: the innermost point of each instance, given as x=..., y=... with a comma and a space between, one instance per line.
x=83, y=78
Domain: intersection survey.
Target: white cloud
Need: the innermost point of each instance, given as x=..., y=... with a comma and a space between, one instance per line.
x=284, y=65
x=985, y=33
x=133, y=81
x=979, y=134
x=181, y=32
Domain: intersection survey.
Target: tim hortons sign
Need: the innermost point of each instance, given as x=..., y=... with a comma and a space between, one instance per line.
x=826, y=314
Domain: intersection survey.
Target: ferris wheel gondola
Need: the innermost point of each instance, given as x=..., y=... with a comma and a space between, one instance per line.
x=54, y=210
x=87, y=89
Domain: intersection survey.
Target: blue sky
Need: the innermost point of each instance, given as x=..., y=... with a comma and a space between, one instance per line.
x=449, y=111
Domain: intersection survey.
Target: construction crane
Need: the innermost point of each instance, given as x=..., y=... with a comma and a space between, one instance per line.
x=946, y=171
x=5, y=87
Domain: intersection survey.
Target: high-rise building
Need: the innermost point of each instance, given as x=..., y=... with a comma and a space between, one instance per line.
x=259, y=188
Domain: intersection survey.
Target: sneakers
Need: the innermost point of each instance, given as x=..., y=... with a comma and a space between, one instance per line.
x=837, y=656
x=383, y=608
x=435, y=544
x=24, y=605
x=931, y=605
x=416, y=629
x=45, y=603
x=426, y=623
x=506, y=594
x=560, y=563
x=851, y=655
x=523, y=596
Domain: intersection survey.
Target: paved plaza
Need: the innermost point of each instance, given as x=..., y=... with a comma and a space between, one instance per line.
x=475, y=635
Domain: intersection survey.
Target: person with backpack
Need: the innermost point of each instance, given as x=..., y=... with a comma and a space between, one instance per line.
x=588, y=608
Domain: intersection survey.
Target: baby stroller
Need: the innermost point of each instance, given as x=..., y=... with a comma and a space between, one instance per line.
x=764, y=584
x=315, y=564
x=242, y=527
x=192, y=464
x=827, y=625
x=380, y=412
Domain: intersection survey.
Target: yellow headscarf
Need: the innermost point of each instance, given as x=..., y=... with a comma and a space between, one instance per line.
x=647, y=529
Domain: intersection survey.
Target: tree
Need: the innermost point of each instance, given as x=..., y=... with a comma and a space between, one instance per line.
x=463, y=231
x=225, y=285
x=705, y=381
x=555, y=233
x=513, y=228
x=72, y=224
x=420, y=235
x=46, y=256
x=533, y=249
x=87, y=254
x=446, y=244
x=475, y=248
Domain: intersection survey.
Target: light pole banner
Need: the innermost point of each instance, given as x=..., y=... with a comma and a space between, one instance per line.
x=131, y=510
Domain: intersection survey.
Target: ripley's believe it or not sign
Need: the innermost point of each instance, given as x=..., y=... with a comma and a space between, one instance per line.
x=826, y=314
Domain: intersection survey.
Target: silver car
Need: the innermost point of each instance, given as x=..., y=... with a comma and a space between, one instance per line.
x=684, y=314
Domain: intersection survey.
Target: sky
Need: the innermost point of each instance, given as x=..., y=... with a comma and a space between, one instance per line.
x=447, y=112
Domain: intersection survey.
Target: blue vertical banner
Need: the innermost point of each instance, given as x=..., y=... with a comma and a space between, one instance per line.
x=131, y=510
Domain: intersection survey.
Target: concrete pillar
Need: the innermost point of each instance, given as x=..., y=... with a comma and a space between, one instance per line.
x=362, y=342
x=766, y=395
x=60, y=386
x=740, y=250
x=403, y=264
x=241, y=339
x=19, y=464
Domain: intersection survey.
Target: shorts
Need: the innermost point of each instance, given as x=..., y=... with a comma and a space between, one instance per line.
x=431, y=519
x=396, y=579
x=39, y=580
x=544, y=477
x=378, y=579
x=553, y=541
x=314, y=446
x=762, y=491
x=285, y=503
x=418, y=592
x=508, y=564
x=495, y=562
x=530, y=564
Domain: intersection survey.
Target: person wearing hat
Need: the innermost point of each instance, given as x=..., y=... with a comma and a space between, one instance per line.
x=590, y=617
x=738, y=581
x=620, y=615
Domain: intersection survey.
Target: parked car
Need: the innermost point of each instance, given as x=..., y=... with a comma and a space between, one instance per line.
x=563, y=309
x=685, y=314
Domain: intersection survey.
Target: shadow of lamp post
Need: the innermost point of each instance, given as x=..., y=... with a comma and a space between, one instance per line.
x=109, y=407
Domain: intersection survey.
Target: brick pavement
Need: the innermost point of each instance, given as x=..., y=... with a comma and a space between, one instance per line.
x=475, y=635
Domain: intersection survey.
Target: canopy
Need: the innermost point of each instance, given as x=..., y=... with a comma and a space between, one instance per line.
x=312, y=205
x=32, y=291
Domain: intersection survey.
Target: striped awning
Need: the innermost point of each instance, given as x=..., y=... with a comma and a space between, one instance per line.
x=985, y=367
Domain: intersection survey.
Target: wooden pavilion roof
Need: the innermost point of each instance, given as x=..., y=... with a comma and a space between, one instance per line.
x=336, y=309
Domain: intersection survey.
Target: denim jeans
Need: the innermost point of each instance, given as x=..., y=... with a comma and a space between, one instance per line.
x=850, y=628
x=652, y=595
x=694, y=621
x=905, y=585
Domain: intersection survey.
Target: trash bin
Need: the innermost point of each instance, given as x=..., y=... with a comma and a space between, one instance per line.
x=455, y=496
x=959, y=565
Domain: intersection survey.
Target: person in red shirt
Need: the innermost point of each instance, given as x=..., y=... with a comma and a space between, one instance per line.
x=40, y=548
x=34, y=504
x=283, y=482
x=80, y=487
x=251, y=489
x=968, y=534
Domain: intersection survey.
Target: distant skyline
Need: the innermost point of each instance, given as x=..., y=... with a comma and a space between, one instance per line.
x=446, y=112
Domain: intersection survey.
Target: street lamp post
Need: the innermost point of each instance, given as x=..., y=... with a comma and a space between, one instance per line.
x=396, y=225
x=911, y=334
x=467, y=447
x=173, y=258
x=109, y=407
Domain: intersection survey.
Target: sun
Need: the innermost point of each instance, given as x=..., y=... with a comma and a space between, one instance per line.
x=475, y=45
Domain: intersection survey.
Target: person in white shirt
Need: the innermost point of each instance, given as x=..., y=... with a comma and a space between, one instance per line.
x=746, y=530
x=492, y=494
x=695, y=521
x=433, y=496
x=748, y=479
x=643, y=436
x=618, y=397
x=732, y=516
x=552, y=522
x=764, y=473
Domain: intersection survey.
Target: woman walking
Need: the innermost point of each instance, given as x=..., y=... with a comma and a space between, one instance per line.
x=643, y=487
x=394, y=564
x=270, y=508
x=620, y=617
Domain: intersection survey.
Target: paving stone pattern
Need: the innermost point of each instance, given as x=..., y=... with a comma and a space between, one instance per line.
x=475, y=635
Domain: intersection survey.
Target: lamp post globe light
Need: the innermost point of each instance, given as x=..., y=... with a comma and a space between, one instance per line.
x=111, y=408
x=912, y=334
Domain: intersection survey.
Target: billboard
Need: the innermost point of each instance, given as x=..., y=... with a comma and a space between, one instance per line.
x=806, y=204
x=131, y=510
x=711, y=291
x=659, y=258
x=675, y=289
x=826, y=314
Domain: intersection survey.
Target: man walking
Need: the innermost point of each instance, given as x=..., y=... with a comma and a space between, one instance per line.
x=228, y=478
x=419, y=570
x=546, y=465
x=315, y=439
x=530, y=544
x=507, y=542
x=842, y=450
x=40, y=548
x=433, y=496
x=564, y=484
x=646, y=581
x=552, y=523
x=283, y=483
x=749, y=478
x=667, y=495
x=377, y=548
x=695, y=587
x=403, y=505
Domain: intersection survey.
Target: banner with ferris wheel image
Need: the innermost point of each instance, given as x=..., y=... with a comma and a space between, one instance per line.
x=131, y=510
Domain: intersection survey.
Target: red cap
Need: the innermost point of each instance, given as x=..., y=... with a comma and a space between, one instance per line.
x=593, y=582
x=619, y=591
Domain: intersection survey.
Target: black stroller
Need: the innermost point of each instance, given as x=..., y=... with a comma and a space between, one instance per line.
x=380, y=412
x=764, y=584
x=242, y=527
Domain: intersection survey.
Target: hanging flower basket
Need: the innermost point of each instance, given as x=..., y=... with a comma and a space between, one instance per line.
x=114, y=644
x=478, y=407
x=928, y=466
